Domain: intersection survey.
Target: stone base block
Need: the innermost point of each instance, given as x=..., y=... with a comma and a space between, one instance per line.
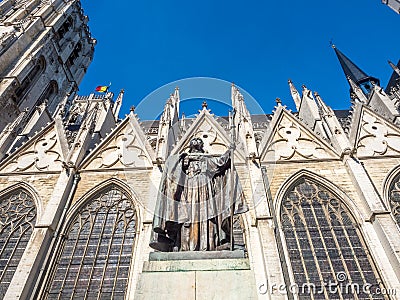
x=187, y=279
x=171, y=285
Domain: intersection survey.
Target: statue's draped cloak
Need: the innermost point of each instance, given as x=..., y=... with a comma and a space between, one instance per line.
x=193, y=206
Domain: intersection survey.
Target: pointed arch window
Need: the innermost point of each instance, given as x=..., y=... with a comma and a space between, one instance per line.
x=74, y=55
x=17, y=220
x=29, y=80
x=49, y=95
x=325, y=245
x=96, y=252
x=394, y=198
x=65, y=27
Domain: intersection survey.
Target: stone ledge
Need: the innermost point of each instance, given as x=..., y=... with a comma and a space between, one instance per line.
x=195, y=255
x=196, y=265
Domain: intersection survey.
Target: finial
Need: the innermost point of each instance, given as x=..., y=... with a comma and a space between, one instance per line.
x=303, y=86
x=177, y=88
x=278, y=100
x=290, y=80
x=332, y=44
x=132, y=109
x=316, y=94
x=232, y=84
x=204, y=105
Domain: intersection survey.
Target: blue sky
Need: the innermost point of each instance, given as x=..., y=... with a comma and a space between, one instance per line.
x=143, y=45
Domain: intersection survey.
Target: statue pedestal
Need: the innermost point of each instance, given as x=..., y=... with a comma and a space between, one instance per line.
x=197, y=275
x=196, y=255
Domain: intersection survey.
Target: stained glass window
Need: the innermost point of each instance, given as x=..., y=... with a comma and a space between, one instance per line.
x=327, y=252
x=394, y=197
x=95, y=255
x=17, y=220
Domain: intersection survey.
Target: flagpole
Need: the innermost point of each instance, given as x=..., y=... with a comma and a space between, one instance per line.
x=232, y=183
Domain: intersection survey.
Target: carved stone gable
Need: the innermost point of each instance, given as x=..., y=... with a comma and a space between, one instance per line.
x=215, y=138
x=290, y=140
x=376, y=136
x=43, y=153
x=125, y=147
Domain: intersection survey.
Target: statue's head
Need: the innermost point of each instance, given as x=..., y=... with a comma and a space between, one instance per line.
x=196, y=145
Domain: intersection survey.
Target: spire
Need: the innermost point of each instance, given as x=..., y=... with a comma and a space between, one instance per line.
x=295, y=94
x=331, y=127
x=394, y=81
x=168, y=130
x=324, y=109
x=307, y=93
x=242, y=116
x=394, y=67
x=177, y=99
x=308, y=111
x=234, y=95
x=352, y=71
x=357, y=91
x=118, y=104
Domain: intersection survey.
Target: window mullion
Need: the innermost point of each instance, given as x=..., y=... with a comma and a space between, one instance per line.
x=299, y=246
x=324, y=245
x=119, y=261
x=355, y=258
x=99, y=240
x=306, y=227
x=68, y=268
x=92, y=221
x=108, y=255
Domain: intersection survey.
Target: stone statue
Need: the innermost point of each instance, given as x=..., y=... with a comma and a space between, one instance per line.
x=193, y=209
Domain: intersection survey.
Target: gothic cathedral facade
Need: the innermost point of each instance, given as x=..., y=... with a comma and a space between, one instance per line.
x=78, y=184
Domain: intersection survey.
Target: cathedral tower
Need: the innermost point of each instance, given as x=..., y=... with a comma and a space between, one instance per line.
x=45, y=50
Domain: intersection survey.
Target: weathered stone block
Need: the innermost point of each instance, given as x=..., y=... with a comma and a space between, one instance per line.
x=171, y=285
x=225, y=285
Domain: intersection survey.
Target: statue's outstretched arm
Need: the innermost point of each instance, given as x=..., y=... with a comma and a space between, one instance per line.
x=222, y=161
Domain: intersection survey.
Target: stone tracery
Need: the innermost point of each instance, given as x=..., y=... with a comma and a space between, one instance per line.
x=95, y=255
x=17, y=220
x=324, y=242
